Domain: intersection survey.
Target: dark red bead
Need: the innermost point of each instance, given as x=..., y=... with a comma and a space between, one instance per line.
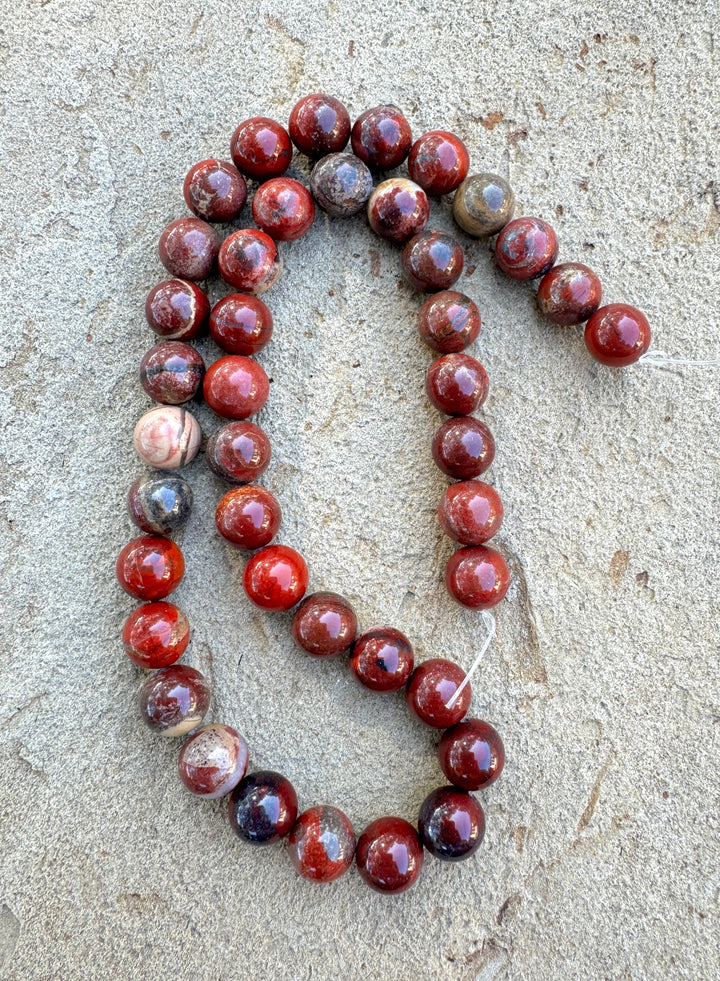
x=381, y=137
x=617, y=335
x=171, y=372
x=569, y=294
x=215, y=190
x=155, y=635
x=249, y=261
x=189, y=248
x=438, y=162
x=324, y=624
x=150, y=567
x=457, y=384
x=431, y=687
x=472, y=754
x=248, y=517
x=213, y=761
x=463, y=447
x=177, y=310
x=276, y=577
x=526, y=248
x=389, y=855
x=263, y=807
x=319, y=124
x=382, y=659
x=398, y=209
x=322, y=844
x=261, y=148
x=174, y=700
x=477, y=577
x=283, y=208
x=341, y=184
x=241, y=324
x=432, y=261
x=470, y=512
x=448, y=321
x=239, y=452
x=451, y=824
x=236, y=387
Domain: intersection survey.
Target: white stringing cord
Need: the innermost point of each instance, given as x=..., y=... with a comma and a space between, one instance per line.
x=656, y=359
x=489, y=621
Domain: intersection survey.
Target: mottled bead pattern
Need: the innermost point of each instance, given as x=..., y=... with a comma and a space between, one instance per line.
x=249, y=261
x=451, y=824
x=174, y=700
x=239, y=452
x=276, y=578
x=389, y=855
x=471, y=754
x=431, y=687
x=213, y=761
x=432, y=261
x=236, y=387
x=283, y=208
x=526, y=248
x=177, y=310
x=341, y=184
x=188, y=248
x=448, y=321
x=171, y=372
x=438, y=162
x=477, y=577
x=261, y=148
x=457, y=384
x=463, y=447
x=322, y=844
x=398, y=209
x=150, y=567
x=156, y=635
x=382, y=659
x=263, y=807
x=319, y=124
x=483, y=204
x=470, y=512
x=241, y=324
x=248, y=517
x=215, y=190
x=160, y=505
x=382, y=137
x=569, y=294
x=324, y=624
x=167, y=437
x=617, y=335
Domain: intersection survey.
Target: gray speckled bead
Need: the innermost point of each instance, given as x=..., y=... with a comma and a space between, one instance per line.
x=483, y=204
x=159, y=505
x=341, y=184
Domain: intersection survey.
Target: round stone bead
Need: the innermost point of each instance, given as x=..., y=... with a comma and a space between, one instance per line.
x=276, y=577
x=477, y=577
x=239, y=452
x=150, y=567
x=617, y=335
x=213, y=761
x=322, y=844
x=432, y=261
x=470, y=512
x=263, y=807
x=171, y=372
x=382, y=659
x=249, y=261
x=155, y=635
x=438, y=162
x=241, y=324
x=471, y=754
x=398, y=209
x=319, y=124
x=167, y=437
x=389, y=855
x=431, y=687
x=189, y=248
x=341, y=184
x=569, y=294
x=248, y=517
x=451, y=824
x=159, y=505
x=177, y=310
x=236, y=387
x=261, y=148
x=381, y=137
x=526, y=248
x=283, y=208
x=483, y=204
x=457, y=384
x=174, y=700
x=215, y=190
x=448, y=321
x=324, y=625
x=463, y=447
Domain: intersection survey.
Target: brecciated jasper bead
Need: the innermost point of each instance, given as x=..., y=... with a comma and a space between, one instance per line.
x=472, y=755
x=159, y=505
x=189, y=248
x=438, y=162
x=167, y=437
x=483, y=204
x=276, y=577
x=382, y=659
x=248, y=517
x=215, y=190
x=239, y=452
x=249, y=261
x=470, y=512
x=177, y=310
x=213, y=761
x=382, y=137
x=477, y=577
x=261, y=148
x=263, y=807
x=322, y=844
x=236, y=387
x=457, y=384
x=617, y=335
x=341, y=184
x=324, y=624
x=451, y=824
x=431, y=687
x=283, y=208
x=448, y=321
x=463, y=447
x=319, y=124
x=432, y=261
x=174, y=700
x=389, y=855
x=241, y=324
x=398, y=209
x=526, y=248
x=171, y=372
x=569, y=294
x=156, y=634
x=150, y=567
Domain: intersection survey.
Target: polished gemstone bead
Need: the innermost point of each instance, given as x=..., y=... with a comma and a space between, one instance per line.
x=431, y=687
x=248, y=517
x=236, y=387
x=322, y=844
x=239, y=452
x=617, y=335
x=319, y=124
x=471, y=754
x=177, y=310
x=171, y=372
x=382, y=659
x=174, y=700
x=261, y=148
x=569, y=294
x=398, y=209
x=470, y=512
x=263, y=807
x=324, y=624
x=155, y=635
x=381, y=137
x=189, y=248
x=215, y=190
x=483, y=204
x=150, y=567
x=457, y=384
x=213, y=761
x=526, y=248
x=241, y=324
x=451, y=824
x=276, y=577
x=283, y=208
x=463, y=447
x=448, y=321
x=160, y=504
x=477, y=577
x=389, y=855
x=432, y=261
x=249, y=261
x=341, y=184
x=438, y=162
x=167, y=437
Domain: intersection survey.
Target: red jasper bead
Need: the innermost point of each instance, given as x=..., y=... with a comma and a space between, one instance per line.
x=236, y=387
x=451, y=824
x=472, y=754
x=381, y=137
x=617, y=335
x=382, y=659
x=177, y=310
x=171, y=372
x=319, y=124
x=389, y=855
x=239, y=452
x=470, y=512
x=569, y=294
x=249, y=261
x=526, y=248
x=477, y=577
x=398, y=209
x=322, y=844
x=261, y=148
x=263, y=807
x=432, y=261
x=438, y=162
x=174, y=700
x=213, y=761
x=150, y=567
x=276, y=577
x=457, y=384
x=189, y=248
x=241, y=324
x=283, y=208
x=248, y=517
x=448, y=321
x=324, y=624
x=155, y=635
x=215, y=190
x=463, y=447
x=431, y=687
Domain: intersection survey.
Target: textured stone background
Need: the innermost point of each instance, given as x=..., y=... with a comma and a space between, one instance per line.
x=601, y=857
